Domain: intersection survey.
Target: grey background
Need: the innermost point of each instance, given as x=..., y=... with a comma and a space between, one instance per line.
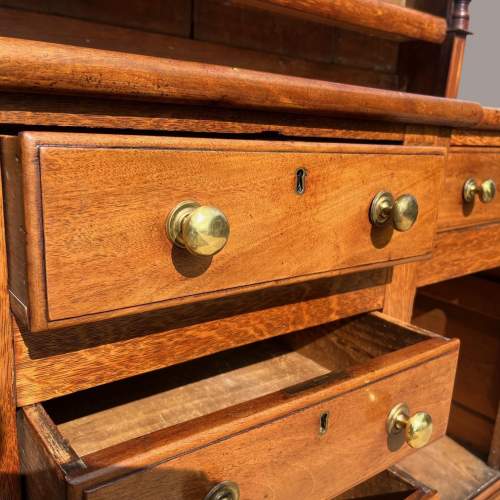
x=481, y=71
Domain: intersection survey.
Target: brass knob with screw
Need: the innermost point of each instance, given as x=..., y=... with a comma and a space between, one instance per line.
x=201, y=230
x=486, y=191
x=403, y=211
x=227, y=490
x=417, y=427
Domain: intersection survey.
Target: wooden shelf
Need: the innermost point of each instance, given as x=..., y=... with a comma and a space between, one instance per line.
x=29, y=66
x=379, y=17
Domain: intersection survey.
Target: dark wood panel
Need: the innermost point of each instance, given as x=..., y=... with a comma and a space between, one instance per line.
x=237, y=25
x=172, y=17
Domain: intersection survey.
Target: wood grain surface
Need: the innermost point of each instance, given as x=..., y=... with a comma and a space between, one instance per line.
x=45, y=456
x=67, y=360
x=461, y=252
x=435, y=464
x=400, y=291
x=463, y=164
x=54, y=68
x=291, y=460
x=111, y=250
x=9, y=455
x=381, y=17
x=315, y=62
x=375, y=363
x=491, y=119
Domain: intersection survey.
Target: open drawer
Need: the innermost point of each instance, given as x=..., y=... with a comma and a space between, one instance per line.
x=300, y=416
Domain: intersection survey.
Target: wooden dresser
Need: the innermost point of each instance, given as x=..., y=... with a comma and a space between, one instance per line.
x=242, y=243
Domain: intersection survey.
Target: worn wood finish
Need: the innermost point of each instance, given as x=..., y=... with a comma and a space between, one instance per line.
x=383, y=18
x=460, y=252
x=146, y=177
x=9, y=457
x=68, y=360
x=56, y=111
x=45, y=456
x=371, y=362
x=445, y=459
x=463, y=164
x=491, y=119
x=57, y=29
x=54, y=68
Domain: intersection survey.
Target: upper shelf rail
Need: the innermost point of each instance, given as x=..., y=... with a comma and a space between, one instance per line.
x=383, y=18
x=62, y=69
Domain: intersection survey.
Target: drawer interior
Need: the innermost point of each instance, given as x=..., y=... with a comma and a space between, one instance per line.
x=388, y=485
x=101, y=417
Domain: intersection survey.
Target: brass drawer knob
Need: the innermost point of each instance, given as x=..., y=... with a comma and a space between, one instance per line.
x=486, y=191
x=226, y=490
x=202, y=230
x=417, y=428
x=403, y=211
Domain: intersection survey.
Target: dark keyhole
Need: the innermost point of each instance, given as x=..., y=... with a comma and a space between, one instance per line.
x=324, y=421
x=300, y=180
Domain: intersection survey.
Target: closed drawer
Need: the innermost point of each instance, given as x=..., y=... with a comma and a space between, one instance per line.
x=479, y=164
x=96, y=208
x=301, y=416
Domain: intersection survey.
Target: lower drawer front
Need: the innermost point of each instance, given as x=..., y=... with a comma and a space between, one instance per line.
x=300, y=416
x=290, y=458
x=480, y=164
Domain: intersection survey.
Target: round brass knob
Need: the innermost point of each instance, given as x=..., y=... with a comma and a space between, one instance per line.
x=403, y=211
x=417, y=428
x=202, y=230
x=486, y=191
x=227, y=490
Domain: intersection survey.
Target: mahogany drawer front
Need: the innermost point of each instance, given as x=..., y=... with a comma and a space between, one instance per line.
x=480, y=164
x=96, y=208
x=308, y=423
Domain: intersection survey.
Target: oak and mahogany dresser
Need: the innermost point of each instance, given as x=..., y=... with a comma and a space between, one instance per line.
x=241, y=244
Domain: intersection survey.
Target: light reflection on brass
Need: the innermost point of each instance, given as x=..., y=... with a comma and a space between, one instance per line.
x=226, y=490
x=486, y=191
x=202, y=230
x=403, y=211
x=417, y=428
